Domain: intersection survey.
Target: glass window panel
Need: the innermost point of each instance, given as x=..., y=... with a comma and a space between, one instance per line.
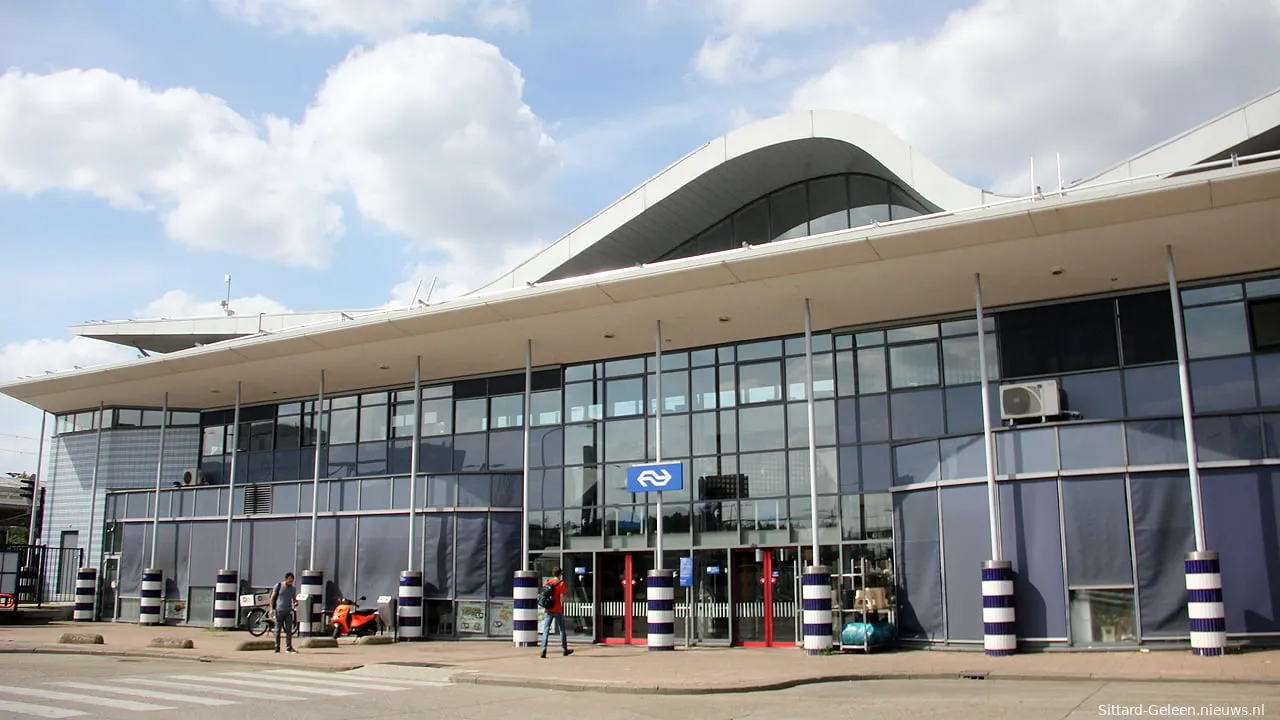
x=546, y=408
x=1271, y=435
x=506, y=450
x=625, y=397
x=675, y=392
x=1027, y=451
x=1268, y=378
x=870, y=339
x=401, y=420
x=826, y=477
x=581, y=444
x=339, y=403
x=1152, y=391
x=1095, y=396
x=128, y=418
x=546, y=447
x=795, y=345
x=437, y=417
x=574, y=373
x=707, y=437
x=373, y=423
x=963, y=458
x=582, y=401
x=1156, y=442
x=824, y=412
x=371, y=458
x=960, y=359
x=1262, y=288
x=868, y=200
x=702, y=358
x=1096, y=526
x=1264, y=320
x=375, y=494
x=546, y=489
x=877, y=467
x=751, y=224
x=766, y=474
x=872, y=375
x=761, y=428
x=867, y=517
x=728, y=386
x=904, y=205
x=828, y=205
x=762, y=350
x=964, y=408
x=1100, y=617
x=1091, y=446
x=442, y=490
x=474, y=491
x=760, y=382
x=847, y=421
x=916, y=463
x=968, y=326
x=1217, y=293
x=214, y=440
x=801, y=512
x=342, y=461
x=506, y=411
x=1146, y=328
x=1225, y=384
x=582, y=486
x=470, y=452
x=342, y=427
x=916, y=414
x=788, y=213
x=1216, y=330
x=846, y=374
x=915, y=332
x=675, y=437
x=1236, y=437
x=703, y=388
x=472, y=415
x=150, y=418
x=437, y=391
x=823, y=377
x=873, y=418
x=624, y=440
x=1066, y=337
x=717, y=239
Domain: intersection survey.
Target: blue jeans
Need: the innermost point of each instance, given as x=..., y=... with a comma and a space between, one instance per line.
x=558, y=617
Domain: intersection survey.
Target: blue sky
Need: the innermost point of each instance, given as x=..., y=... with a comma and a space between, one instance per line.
x=331, y=153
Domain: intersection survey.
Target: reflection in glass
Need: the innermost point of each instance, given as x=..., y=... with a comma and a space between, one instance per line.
x=916, y=414
x=471, y=415
x=1027, y=451
x=625, y=397
x=1156, y=442
x=582, y=401
x=506, y=411
x=762, y=428
x=703, y=388
x=789, y=214
x=825, y=478
x=545, y=408
x=960, y=359
x=624, y=440
x=916, y=463
x=828, y=205
x=963, y=457
x=437, y=417
x=913, y=365
x=824, y=413
x=872, y=376
x=1102, y=617
x=765, y=473
x=1225, y=384
x=1216, y=330
x=1091, y=446
x=1234, y=437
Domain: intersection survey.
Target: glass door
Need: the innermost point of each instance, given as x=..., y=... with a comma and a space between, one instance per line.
x=785, y=578
x=711, y=593
x=579, y=603
x=765, y=588
x=109, y=584
x=749, y=597
x=624, y=598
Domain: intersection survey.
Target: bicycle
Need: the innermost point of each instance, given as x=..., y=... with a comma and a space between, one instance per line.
x=261, y=622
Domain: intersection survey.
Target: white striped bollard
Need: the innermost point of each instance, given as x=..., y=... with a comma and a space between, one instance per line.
x=999, y=626
x=310, y=622
x=86, y=594
x=662, y=610
x=816, y=596
x=225, y=599
x=1204, y=604
x=151, y=606
x=524, y=610
x=409, y=606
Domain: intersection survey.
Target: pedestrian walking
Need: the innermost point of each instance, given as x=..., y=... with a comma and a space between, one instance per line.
x=551, y=599
x=284, y=601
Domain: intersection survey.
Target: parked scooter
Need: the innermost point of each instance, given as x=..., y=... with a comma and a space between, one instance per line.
x=349, y=619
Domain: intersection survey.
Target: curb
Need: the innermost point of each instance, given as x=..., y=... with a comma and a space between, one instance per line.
x=161, y=655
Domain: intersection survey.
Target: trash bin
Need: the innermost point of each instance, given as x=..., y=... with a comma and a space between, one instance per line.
x=387, y=605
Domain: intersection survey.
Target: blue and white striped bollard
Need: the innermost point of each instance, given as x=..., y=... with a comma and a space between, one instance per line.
x=999, y=626
x=524, y=610
x=225, y=599
x=661, y=610
x=1204, y=604
x=151, y=606
x=310, y=621
x=86, y=594
x=816, y=597
x=409, y=606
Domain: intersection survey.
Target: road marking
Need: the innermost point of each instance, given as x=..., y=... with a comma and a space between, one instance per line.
x=234, y=692
x=260, y=684
x=356, y=681
x=43, y=711
x=146, y=693
x=83, y=699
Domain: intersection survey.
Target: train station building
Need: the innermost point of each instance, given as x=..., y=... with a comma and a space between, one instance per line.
x=1129, y=324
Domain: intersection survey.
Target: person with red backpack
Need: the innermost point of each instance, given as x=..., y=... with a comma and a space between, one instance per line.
x=551, y=600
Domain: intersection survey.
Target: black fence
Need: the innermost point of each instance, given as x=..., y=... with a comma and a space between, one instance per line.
x=38, y=574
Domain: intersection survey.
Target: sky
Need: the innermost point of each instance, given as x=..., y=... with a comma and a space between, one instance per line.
x=336, y=153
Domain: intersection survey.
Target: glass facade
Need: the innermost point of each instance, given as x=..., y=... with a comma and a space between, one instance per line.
x=1095, y=502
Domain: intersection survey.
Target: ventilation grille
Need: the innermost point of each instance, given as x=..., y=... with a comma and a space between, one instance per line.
x=257, y=500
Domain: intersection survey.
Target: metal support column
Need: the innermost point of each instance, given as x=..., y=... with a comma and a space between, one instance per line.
x=661, y=608
x=815, y=589
x=524, y=584
x=231, y=480
x=999, y=617
x=315, y=479
x=32, y=530
x=413, y=457
x=1205, y=607
x=93, y=492
x=311, y=598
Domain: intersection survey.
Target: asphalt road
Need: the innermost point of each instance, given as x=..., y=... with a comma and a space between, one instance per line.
x=65, y=686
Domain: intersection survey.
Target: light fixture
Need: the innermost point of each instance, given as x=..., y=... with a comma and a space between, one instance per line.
x=1056, y=270
x=724, y=318
x=384, y=366
x=215, y=391
x=609, y=336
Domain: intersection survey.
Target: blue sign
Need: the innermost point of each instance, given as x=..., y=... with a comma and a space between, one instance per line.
x=579, y=571
x=655, y=477
x=713, y=570
x=686, y=572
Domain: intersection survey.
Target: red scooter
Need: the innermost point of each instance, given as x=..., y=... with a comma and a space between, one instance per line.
x=348, y=619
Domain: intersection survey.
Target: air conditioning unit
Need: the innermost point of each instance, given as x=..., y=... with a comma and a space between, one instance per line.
x=193, y=476
x=1030, y=400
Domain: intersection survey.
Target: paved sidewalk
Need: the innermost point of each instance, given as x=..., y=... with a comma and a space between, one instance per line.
x=633, y=670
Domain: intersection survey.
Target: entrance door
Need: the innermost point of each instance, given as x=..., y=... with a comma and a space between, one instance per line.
x=624, y=597
x=764, y=606
x=110, y=581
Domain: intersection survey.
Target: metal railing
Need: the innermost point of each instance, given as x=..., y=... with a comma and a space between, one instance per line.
x=40, y=573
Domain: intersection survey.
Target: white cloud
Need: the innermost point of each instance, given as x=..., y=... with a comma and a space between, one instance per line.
x=182, y=304
x=1097, y=80
x=20, y=423
x=456, y=276
x=378, y=19
x=735, y=50
x=428, y=133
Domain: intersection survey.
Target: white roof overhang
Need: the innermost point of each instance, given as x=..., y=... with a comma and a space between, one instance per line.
x=1219, y=223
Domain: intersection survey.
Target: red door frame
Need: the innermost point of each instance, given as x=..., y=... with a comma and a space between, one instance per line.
x=767, y=579
x=628, y=599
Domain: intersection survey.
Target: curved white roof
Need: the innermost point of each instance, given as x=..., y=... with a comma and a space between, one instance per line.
x=711, y=182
